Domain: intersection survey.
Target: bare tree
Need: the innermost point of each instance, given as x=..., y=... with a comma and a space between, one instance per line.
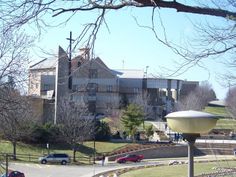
x=75, y=123
x=231, y=101
x=197, y=99
x=16, y=116
x=14, y=60
x=15, y=110
x=142, y=100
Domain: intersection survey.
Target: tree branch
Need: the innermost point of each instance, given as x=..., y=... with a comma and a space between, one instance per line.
x=154, y=3
x=189, y=9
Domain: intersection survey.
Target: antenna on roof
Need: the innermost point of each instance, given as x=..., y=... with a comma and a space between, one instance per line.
x=70, y=54
x=146, y=72
x=123, y=64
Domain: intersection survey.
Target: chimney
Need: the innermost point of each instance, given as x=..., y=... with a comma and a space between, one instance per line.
x=84, y=52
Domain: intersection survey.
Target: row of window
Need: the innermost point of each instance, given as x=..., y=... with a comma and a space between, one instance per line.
x=44, y=87
x=92, y=87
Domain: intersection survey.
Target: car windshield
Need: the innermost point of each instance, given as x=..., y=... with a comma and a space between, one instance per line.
x=128, y=155
x=50, y=155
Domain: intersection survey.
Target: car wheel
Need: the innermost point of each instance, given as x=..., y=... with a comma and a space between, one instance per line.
x=123, y=161
x=43, y=161
x=63, y=162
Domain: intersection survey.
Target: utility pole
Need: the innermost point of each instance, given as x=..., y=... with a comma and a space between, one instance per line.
x=70, y=56
x=6, y=164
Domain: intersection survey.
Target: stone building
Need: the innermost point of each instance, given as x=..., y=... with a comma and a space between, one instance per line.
x=102, y=89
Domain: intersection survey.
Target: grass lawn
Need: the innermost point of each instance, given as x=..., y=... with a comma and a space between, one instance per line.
x=226, y=124
x=221, y=111
x=32, y=152
x=102, y=147
x=177, y=170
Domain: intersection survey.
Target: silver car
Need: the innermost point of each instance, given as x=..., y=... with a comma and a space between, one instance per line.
x=55, y=158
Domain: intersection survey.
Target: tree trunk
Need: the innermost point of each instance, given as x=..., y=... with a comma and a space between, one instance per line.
x=74, y=153
x=14, y=149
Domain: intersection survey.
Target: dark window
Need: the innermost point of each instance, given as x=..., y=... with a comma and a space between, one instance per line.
x=46, y=87
x=74, y=87
x=92, y=89
x=136, y=90
x=93, y=73
x=60, y=155
x=92, y=107
x=109, y=88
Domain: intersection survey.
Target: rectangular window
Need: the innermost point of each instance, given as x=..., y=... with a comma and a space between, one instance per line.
x=46, y=87
x=109, y=88
x=92, y=89
x=93, y=73
x=74, y=88
x=136, y=90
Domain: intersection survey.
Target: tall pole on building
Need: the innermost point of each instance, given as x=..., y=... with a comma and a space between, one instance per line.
x=70, y=57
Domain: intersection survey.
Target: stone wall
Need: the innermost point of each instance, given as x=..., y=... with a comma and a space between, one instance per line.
x=164, y=151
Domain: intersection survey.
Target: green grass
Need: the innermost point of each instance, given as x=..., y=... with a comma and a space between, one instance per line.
x=221, y=111
x=26, y=152
x=177, y=170
x=226, y=124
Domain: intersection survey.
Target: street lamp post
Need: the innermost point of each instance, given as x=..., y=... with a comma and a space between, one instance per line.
x=191, y=124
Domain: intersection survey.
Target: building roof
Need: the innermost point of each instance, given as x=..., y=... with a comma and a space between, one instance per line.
x=129, y=73
x=44, y=64
x=217, y=103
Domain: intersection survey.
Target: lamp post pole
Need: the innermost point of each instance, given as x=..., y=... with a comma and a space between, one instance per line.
x=190, y=159
x=190, y=138
x=94, y=140
x=191, y=124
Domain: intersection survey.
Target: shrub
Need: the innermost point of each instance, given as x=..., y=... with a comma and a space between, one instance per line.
x=102, y=130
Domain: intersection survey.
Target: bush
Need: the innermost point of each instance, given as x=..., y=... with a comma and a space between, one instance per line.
x=103, y=132
x=47, y=133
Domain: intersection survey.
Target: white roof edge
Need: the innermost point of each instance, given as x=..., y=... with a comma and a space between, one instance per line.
x=191, y=114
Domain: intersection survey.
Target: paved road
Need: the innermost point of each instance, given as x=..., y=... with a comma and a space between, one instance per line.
x=39, y=170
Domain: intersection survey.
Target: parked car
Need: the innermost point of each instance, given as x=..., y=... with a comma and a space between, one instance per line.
x=130, y=158
x=55, y=158
x=13, y=174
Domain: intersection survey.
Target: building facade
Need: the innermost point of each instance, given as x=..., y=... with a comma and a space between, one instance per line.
x=102, y=89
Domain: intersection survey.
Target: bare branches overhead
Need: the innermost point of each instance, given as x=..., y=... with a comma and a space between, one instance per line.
x=15, y=14
x=18, y=13
x=14, y=50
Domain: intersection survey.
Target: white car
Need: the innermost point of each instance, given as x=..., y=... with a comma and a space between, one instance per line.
x=55, y=158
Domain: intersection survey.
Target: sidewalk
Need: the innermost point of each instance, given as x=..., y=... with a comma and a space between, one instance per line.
x=216, y=141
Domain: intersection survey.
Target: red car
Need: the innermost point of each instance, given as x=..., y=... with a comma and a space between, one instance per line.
x=14, y=174
x=130, y=158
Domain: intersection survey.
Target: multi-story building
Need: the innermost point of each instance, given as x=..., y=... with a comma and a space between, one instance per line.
x=104, y=90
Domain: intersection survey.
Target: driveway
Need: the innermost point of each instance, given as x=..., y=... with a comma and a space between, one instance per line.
x=40, y=170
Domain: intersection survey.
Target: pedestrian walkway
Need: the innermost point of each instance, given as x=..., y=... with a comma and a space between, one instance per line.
x=162, y=126
x=216, y=141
